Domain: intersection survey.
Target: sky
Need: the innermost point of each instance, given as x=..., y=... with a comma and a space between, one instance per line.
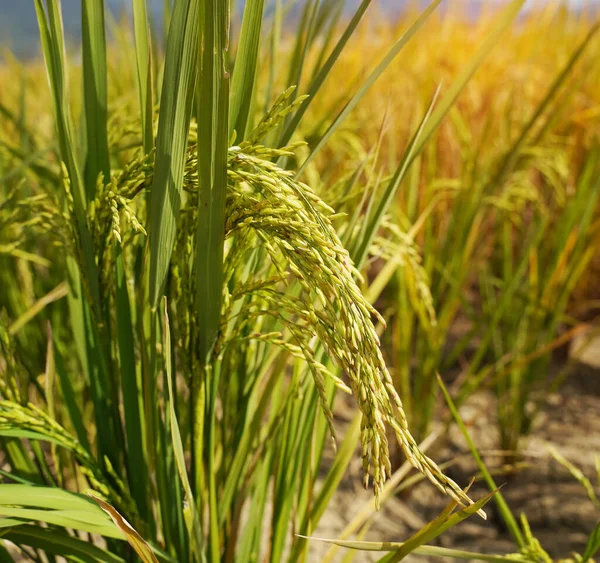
x=18, y=25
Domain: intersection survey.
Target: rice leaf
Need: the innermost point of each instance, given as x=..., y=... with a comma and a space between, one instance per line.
x=68, y=393
x=593, y=545
x=334, y=476
x=57, y=293
x=507, y=514
x=399, y=550
x=95, y=95
x=131, y=535
x=181, y=61
x=131, y=389
x=323, y=72
x=373, y=220
x=192, y=518
x=366, y=85
x=143, y=54
x=87, y=317
x=514, y=151
x=244, y=73
x=213, y=108
x=54, y=506
x=58, y=543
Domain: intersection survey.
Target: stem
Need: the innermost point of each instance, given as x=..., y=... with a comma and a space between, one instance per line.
x=212, y=386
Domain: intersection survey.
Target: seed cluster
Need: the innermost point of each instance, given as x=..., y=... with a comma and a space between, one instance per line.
x=293, y=225
x=30, y=418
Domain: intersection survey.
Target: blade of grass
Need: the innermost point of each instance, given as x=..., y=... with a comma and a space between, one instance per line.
x=330, y=486
x=400, y=550
x=592, y=546
x=58, y=543
x=49, y=384
x=324, y=71
x=5, y=556
x=213, y=128
x=366, y=85
x=505, y=511
x=53, y=47
x=373, y=221
x=20, y=461
x=68, y=393
x=514, y=152
x=303, y=35
x=433, y=119
x=275, y=39
x=180, y=74
x=57, y=293
x=88, y=331
x=244, y=73
x=327, y=25
x=131, y=390
x=167, y=15
x=192, y=518
x=82, y=520
x=93, y=31
x=131, y=535
x=143, y=55
x=181, y=62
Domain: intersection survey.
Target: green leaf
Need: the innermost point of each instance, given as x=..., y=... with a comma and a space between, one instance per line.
x=53, y=47
x=5, y=556
x=48, y=498
x=95, y=97
x=344, y=455
x=131, y=390
x=324, y=71
x=75, y=519
x=54, y=506
x=244, y=73
x=20, y=461
x=399, y=550
x=68, y=394
x=593, y=545
x=502, y=505
x=213, y=107
x=87, y=314
x=181, y=61
x=143, y=55
x=60, y=291
x=213, y=116
x=11, y=523
x=59, y=543
x=373, y=220
x=514, y=152
x=192, y=518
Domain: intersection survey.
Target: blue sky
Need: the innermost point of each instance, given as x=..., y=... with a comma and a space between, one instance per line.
x=18, y=26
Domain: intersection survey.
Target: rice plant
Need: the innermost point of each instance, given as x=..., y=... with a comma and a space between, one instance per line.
x=211, y=307
x=193, y=241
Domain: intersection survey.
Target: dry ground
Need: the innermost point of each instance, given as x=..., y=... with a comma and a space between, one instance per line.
x=559, y=510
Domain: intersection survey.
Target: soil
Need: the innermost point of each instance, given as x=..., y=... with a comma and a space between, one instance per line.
x=558, y=509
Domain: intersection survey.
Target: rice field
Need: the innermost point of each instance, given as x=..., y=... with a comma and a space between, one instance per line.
x=251, y=258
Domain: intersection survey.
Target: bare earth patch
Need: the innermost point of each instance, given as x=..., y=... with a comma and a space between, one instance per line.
x=557, y=507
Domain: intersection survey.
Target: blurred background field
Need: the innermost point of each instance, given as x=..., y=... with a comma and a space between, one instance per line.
x=485, y=266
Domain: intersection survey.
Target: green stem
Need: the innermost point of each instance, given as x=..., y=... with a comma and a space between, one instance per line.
x=212, y=386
